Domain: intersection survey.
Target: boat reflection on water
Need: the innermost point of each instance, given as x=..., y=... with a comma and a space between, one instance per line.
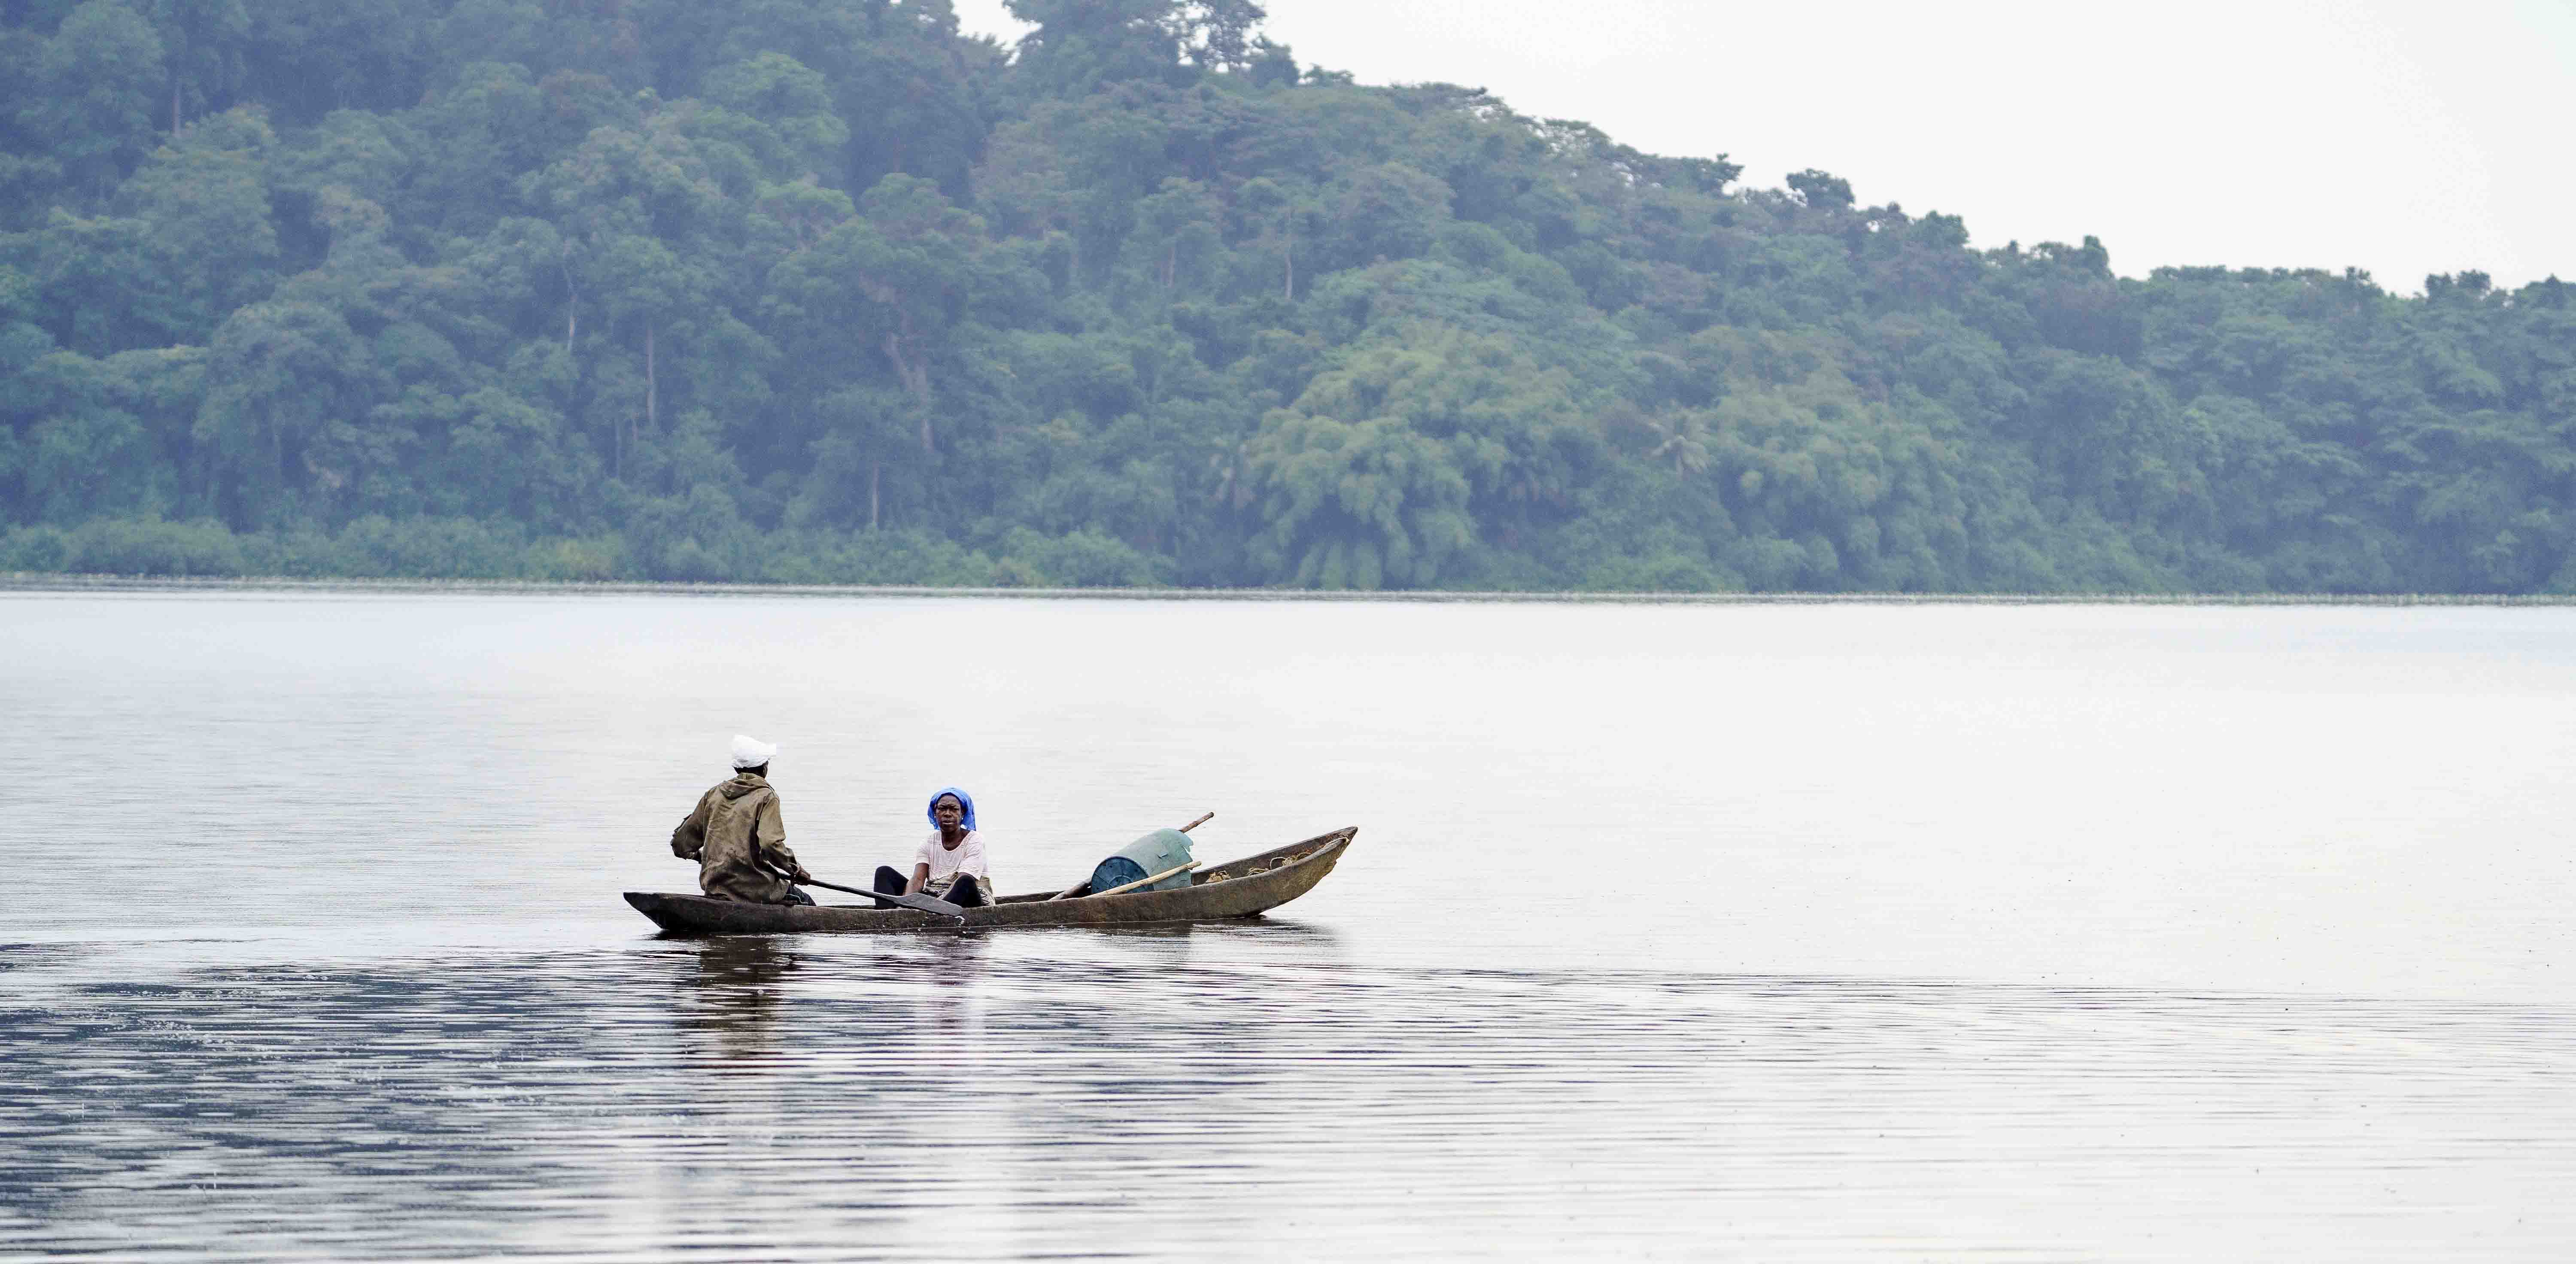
x=749, y=991
x=758, y=997
x=1177, y=930
x=938, y=982
x=737, y=984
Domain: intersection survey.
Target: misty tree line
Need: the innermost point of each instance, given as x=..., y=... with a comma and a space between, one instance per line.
x=823, y=290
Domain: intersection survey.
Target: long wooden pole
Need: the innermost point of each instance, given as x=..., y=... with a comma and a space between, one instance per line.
x=1145, y=882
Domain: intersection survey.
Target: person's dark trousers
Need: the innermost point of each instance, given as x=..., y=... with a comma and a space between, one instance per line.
x=968, y=893
x=796, y=895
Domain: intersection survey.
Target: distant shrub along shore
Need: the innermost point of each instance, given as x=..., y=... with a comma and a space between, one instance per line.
x=462, y=549
x=829, y=291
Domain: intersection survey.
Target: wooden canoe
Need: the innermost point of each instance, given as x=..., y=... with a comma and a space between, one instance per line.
x=1237, y=888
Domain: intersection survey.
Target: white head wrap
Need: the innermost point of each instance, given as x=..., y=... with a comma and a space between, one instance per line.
x=751, y=752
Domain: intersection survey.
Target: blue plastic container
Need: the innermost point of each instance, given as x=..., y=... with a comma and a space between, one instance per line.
x=1163, y=849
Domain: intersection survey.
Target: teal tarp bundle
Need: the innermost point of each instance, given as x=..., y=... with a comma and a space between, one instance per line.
x=1163, y=849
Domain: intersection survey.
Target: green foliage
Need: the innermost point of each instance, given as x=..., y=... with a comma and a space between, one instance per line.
x=152, y=547
x=93, y=84
x=825, y=291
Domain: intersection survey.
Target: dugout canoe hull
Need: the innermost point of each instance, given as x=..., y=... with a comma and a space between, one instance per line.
x=1238, y=888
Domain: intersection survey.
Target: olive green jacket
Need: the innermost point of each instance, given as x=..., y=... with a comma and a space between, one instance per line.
x=734, y=822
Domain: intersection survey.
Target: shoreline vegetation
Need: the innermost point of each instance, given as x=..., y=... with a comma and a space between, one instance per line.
x=831, y=292
x=22, y=582
x=374, y=555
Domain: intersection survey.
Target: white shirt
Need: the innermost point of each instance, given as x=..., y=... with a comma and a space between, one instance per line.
x=946, y=863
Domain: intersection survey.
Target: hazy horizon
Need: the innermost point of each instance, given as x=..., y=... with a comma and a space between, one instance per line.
x=2428, y=135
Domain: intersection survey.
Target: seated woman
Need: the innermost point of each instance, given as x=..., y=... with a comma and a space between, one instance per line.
x=950, y=864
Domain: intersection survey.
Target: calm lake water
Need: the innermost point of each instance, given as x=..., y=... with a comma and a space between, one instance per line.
x=1766, y=931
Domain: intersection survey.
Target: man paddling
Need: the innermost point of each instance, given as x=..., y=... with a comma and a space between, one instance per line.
x=737, y=838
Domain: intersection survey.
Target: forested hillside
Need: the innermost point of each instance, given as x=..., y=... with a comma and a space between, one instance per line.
x=823, y=290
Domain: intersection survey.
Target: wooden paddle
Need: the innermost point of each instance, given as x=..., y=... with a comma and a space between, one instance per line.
x=1067, y=893
x=926, y=903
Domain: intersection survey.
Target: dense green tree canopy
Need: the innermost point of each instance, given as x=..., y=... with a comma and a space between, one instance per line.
x=826, y=290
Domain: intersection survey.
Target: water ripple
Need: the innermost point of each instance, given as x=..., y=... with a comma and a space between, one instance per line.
x=949, y=1097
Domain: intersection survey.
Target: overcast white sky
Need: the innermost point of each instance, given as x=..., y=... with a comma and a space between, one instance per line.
x=2400, y=137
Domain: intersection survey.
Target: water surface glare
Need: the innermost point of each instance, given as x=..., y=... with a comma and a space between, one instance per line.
x=1772, y=932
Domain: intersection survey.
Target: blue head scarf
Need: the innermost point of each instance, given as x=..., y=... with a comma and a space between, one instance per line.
x=964, y=800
